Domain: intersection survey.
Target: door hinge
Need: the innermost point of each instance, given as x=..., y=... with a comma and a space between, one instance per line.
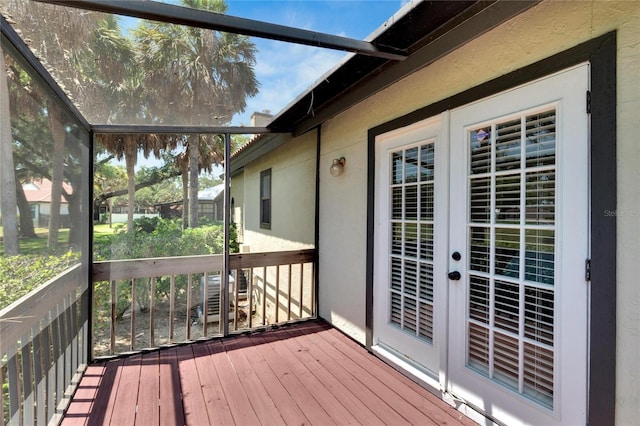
x=587, y=270
x=588, y=101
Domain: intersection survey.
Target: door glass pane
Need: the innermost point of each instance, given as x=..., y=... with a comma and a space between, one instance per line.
x=507, y=145
x=511, y=240
x=480, y=203
x=411, y=240
x=541, y=139
x=540, y=196
x=480, y=141
x=411, y=165
x=508, y=199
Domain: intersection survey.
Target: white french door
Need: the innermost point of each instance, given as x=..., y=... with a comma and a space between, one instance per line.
x=481, y=239
x=411, y=171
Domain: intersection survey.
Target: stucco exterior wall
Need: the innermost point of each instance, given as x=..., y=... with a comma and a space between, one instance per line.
x=293, y=176
x=542, y=31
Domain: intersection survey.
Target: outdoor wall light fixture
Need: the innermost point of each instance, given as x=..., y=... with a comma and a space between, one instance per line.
x=337, y=167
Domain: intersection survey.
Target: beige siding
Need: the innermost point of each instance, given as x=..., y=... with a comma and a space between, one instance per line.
x=293, y=168
x=548, y=28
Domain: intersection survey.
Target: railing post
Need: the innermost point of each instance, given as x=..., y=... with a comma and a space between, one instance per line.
x=224, y=281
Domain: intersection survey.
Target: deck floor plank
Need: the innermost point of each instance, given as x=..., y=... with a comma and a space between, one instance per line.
x=195, y=394
x=303, y=374
x=127, y=392
x=413, y=393
x=362, y=413
x=148, y=411
x=350, y=378
x=170, y=398
x=264, y=408
x=289, y=350
x=85, y=397
x=374, y=383
x=106, y=397
x=279, y=395
x=299, y=393
x=236, y=397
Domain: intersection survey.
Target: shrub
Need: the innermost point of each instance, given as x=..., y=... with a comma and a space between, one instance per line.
x=24, y=273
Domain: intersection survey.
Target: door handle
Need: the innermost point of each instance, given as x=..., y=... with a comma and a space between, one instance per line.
x=455, y=275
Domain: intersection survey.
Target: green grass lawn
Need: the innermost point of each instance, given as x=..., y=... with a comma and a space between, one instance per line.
x=39, y=244
x=103, y=229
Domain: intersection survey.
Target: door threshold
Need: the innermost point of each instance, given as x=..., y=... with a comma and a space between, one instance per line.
x=428, y=380
x=416, y=372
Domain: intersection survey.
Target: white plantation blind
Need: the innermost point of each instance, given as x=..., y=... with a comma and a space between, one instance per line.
x=511, y=237
x=411, y=255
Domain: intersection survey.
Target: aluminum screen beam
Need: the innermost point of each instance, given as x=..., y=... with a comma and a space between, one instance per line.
x=168, y=129
x=163, y=12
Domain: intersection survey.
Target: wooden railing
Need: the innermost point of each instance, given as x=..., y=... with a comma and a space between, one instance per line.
x=148, y=303
x=43, y=349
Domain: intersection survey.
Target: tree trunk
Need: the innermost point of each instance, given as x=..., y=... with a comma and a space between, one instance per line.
x=26, y=218
x=77, y=225
x=185, y=197
x=130, y=160
x=56, y=126
x=8, y=201
x=194, y=156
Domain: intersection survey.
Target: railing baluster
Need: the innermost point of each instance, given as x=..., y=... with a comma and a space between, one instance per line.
x=205, y=304
x=189, y=282
x=133, y=314
x=73, y=326
x=152, y=317
x=38, y=373
x=112, y=326
x=289, y=295
x=66, y=345
x=250, y=296
x=301, y=287
x=27, y=379
x=15, y=391
x=264, y=295
x=277, y=303
x=49, y=368
x=313, y=289
x=58, y=358
x=236, y=299
x=172, y=305
x=2, y=395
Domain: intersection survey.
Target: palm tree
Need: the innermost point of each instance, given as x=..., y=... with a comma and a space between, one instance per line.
x=199, y=77
x=126, y=147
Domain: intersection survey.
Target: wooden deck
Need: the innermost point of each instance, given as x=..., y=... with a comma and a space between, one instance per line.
x=308, y=373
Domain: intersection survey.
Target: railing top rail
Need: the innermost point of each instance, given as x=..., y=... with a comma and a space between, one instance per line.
x=162, y=266
x=18, y=318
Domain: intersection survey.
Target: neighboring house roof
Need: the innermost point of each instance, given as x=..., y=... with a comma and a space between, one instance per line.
x=39, y=191
x=209, y=194
x=212, y=193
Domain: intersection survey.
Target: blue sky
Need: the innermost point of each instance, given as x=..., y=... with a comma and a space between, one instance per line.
x=285, y=70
